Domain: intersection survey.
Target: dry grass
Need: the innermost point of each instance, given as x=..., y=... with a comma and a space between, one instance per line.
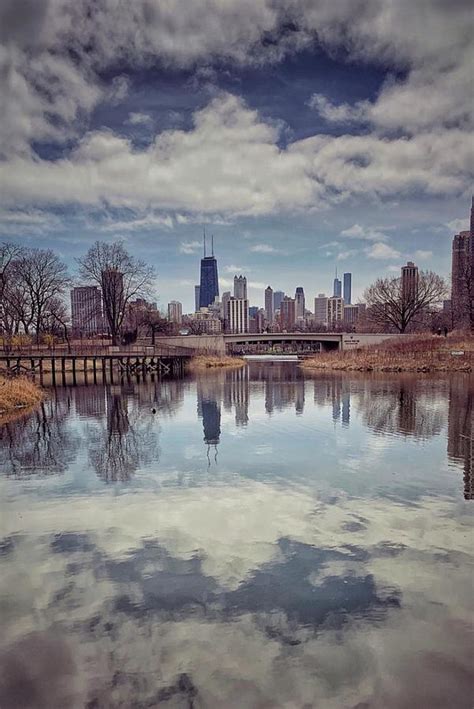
x=18, y=393
x=420, y=353
x=214, y=361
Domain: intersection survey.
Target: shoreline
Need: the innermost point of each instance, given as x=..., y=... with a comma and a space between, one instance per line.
x=419, y=355
x=202, y=362
x=18, y=395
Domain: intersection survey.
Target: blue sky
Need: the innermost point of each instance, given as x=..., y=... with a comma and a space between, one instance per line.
x=304, y=135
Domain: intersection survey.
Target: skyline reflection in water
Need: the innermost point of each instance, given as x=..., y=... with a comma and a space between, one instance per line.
x=264, y=539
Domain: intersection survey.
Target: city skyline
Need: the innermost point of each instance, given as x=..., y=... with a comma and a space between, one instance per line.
x=301, y=137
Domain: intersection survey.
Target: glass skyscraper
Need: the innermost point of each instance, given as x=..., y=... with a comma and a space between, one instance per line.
x=348, y=288
x=209, y=285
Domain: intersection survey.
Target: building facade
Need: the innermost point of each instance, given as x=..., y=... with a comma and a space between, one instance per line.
x=321, y=309
x=197, y=298
x=347, y=294
x=86, y=310
x=237, y=315
x=337, y=288
x=240, y=287
x=269, y=311
x=462, y=276
x=335, y=311
x=287, y=314
x=278, y=296
x=175, y=312
x=351, y=314
x=299, y=303
x=409, y=282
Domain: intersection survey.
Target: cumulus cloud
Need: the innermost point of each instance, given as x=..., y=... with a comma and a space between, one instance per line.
x=190, y=247
x=356, y=231
x=423, y=255
x=140, y=119
x=457, y=225
x=382, y=251
x=263, y=249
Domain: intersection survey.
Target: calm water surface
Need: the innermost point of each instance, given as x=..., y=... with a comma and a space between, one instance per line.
x=263, y=540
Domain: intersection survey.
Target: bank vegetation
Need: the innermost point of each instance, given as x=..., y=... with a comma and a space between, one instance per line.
x=16, y=394
x=202, y=362
x=420, y=353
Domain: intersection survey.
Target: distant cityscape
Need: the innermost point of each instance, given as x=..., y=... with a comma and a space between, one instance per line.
x=232, y=312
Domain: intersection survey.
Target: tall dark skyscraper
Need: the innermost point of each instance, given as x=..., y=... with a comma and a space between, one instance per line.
x=278, y=296
x=347, y=288
x=337, y=289
x=462, y=276
x=209, y=285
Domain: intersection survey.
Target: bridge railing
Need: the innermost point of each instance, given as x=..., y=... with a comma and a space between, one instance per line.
x=86, y=350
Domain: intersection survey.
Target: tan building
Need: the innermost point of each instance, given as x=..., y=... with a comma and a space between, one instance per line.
x=409, y=282
x=335, y=311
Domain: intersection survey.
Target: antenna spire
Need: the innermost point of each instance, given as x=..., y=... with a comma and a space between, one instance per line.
x=212, y=244
x=204, y=231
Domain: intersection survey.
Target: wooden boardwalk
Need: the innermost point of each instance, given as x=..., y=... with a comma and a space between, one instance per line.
x=99, y=366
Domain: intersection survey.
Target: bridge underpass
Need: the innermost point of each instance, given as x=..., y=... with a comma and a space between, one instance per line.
x=281, y=343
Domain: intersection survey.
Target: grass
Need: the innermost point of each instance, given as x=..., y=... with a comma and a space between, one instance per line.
x=420, y=353
x=202, y=362
x=18, y=393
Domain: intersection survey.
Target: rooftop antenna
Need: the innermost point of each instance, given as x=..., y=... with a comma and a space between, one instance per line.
x=212, y=244
x=204, y=230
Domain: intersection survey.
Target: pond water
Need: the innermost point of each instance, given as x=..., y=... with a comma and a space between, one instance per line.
x=246, y=538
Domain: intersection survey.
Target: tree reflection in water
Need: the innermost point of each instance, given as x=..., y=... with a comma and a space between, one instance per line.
x=127, y=441
x=41, y=443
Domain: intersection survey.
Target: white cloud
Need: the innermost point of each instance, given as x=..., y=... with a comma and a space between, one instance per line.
x=147, y=221
x=343, y=255
x=263, y=249
x=423, y=255
x=457, y=225
x=14, y=221
x=236, y=269
x=136, y=119
x=382, y=251
x=366, y=233
x=190, y=247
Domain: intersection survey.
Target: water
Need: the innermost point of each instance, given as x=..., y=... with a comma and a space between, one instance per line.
x=262, y=540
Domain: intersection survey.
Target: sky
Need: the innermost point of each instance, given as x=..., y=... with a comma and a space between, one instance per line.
x=305, y=135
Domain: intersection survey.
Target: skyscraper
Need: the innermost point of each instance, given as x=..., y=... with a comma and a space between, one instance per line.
x=277, y=298
x=269, y=304
x=337, y=289
x=287, y=313
x=409, y=282
x=237, y=315
x=335, y=314
x=197, y=298
x=462, y=276
x=321, y=309
x=175, y=312
x=348, y=288
x=209, y=285
x=240, y=287
x=86, y=309
x=299, y=303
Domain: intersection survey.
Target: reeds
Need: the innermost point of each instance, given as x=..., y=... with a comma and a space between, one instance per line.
x=17, y=393
x=201, y=362
x=420, y=353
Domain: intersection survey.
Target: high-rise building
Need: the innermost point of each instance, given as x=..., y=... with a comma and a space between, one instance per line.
x=351, y=314
x=299, y=303
x=462, y=276
x=175, y=312
x=269, y=311
x=237, y=315
x=226, y=296
x=409, y=282
x=240, y=287
x=277, y=298
x=347, y=295
x=335, y=311
x=337, y=287
x=321, y=309
x=197, y=298
x=86, y=310
x=287, y=314
x=209, y=285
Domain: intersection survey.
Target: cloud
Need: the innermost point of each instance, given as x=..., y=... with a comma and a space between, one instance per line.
x=457, y=225
x=263, y=249
x=136, y=119
x=366, y=233
x=190, y=247
x=336, y=113
x=343, y=255
x=382, y=251
x=236, y=269
x=147, y=221
x=13, y=221
x=423, y=255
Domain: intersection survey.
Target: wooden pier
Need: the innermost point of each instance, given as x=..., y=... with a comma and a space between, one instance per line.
x=94, y=367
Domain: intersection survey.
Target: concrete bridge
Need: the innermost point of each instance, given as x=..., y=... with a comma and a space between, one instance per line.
x=274, y=342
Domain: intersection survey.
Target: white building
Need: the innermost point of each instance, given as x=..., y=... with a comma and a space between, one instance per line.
x=335, y=312
x=237, y=318
x=321, y=309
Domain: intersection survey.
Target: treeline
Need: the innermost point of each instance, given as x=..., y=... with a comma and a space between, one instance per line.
x=34, y=285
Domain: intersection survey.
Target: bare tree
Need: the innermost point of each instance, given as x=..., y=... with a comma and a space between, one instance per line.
x=390, y=307
x=120, y=276
x=43, y=277
x=8, y=254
